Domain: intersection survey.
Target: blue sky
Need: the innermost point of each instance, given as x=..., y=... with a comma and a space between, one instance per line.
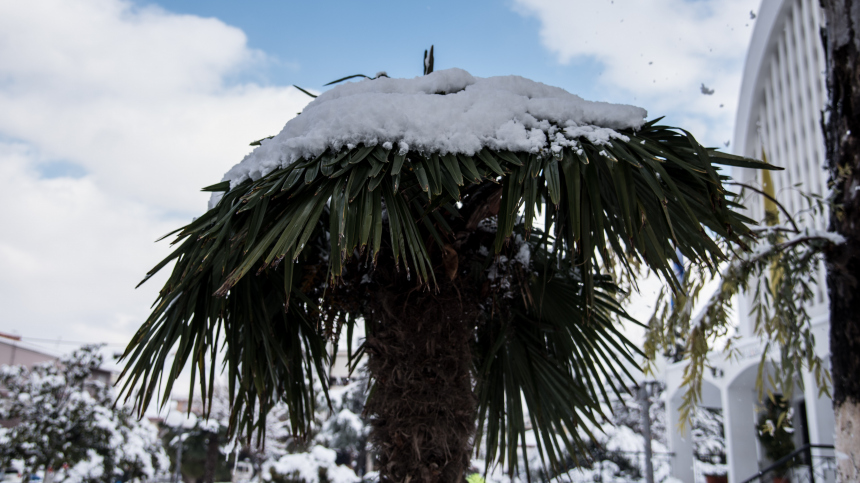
x=311, y=43
x=114, y=114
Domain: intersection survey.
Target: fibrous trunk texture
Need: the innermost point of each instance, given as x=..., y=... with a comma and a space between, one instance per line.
x=422, y=408
x=841, y=128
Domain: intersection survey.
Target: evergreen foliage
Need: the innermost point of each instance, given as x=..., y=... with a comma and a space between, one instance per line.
x=775, y=431
x=66, y=422
x=196, y=460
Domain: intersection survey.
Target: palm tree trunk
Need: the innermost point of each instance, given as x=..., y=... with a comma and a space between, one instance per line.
x=842, y=128
x=422, y=407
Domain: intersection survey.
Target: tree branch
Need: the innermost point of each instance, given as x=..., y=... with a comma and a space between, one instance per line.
x=771, y=198
x=788, y=244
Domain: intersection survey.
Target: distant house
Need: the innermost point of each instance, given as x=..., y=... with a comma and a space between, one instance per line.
x=783, y=94
x=14, y=352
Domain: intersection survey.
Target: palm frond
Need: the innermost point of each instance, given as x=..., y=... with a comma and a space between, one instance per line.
x=555, y=358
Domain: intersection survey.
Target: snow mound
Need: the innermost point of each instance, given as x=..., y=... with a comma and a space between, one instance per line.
x=448, y=111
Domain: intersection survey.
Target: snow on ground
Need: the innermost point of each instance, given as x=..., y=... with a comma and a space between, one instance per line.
x=448, y=111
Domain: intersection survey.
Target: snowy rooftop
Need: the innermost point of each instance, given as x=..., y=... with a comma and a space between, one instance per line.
x=448, y=111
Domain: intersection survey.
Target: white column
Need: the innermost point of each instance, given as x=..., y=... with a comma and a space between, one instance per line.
x=739, y=419
x=680, y=443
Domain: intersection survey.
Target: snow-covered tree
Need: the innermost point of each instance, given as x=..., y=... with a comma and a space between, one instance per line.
x=65, y=421
x=709, y=438
x=335, y=452
x=337, y=446
x=204, y=446
x=615, y=446
x=336, y=443
x=413, y=204
x=344, y=430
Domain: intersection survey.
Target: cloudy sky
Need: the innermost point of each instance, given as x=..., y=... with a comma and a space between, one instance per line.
x=114, y=113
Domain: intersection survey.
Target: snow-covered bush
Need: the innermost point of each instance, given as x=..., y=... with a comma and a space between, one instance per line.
x=709, y=440
x=342, y=428
x=334, y=449
x=340, y=435
x=316, y=466
x=65, y=421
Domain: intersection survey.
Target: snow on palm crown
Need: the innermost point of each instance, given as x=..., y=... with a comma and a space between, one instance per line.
x=448, y=111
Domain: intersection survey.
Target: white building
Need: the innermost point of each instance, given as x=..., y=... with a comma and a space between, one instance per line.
x=782, y=96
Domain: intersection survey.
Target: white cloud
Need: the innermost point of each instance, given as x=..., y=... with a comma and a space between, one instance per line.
x=136, y=96
x=70, y=254
x=139, y=98
x=658, y=52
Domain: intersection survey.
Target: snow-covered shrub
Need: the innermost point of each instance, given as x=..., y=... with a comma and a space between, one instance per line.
x=709, y=440
x=336, y=448
x=67, y=422
x=343, y=429
x=316, y=466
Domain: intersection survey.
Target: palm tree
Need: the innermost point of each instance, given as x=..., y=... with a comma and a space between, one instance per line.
x=472, y=312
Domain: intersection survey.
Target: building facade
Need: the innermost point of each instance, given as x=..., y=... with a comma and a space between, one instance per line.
x=14, y=352
x=783, y=94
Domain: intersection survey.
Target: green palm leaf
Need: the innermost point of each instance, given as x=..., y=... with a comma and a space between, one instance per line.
x=553, y=356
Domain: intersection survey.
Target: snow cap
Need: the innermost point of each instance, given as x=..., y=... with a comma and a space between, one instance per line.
x=447, y=111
